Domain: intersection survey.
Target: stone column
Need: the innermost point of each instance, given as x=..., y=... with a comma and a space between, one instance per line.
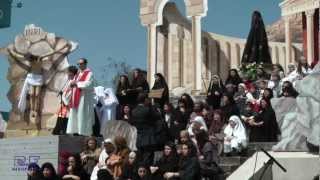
x=288, y=40
x=310, y=36
x=152, y=40
x=196, y=49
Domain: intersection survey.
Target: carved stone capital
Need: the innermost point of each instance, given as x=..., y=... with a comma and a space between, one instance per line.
x=310, y=13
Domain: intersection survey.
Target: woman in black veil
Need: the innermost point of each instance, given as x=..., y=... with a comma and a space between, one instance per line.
x=257, y=49
x=160, y=83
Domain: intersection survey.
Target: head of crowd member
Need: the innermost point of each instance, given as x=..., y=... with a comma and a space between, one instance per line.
x=108, y=146
x=132, y=157
x=291, y=68
x=275, y=77
x=104, y=174
x=263, y=84
x=169, y=150
x=184, y=136
x=126, y=110
x=123, y=81
x=260, y=72
x=241, y=88
x=33, y=171
x=48, y=171
x=188, y=100
x=227, y=99
x=72, y=71
x=121, y=143
x=167, y=108
x=182, y=105
x=277, y=68
x=267, y=93
x=90, y=144
x=136, y=73
x=186, y=150
x=197, y=108
x=82, y=63
x=233, y=73
x=142, y=170
x=265, y=103
x=230, y=88
x=75, y=162
x=253, y=88
x=160, y=79
x=141, y=99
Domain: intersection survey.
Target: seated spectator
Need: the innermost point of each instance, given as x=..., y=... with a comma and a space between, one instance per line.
x=278, y=69
x=207, y=114
x=90, y=155
x=129, y=171
x=288, y=90
x=189, y=166
x=74, y=169
x=235, y=136
x=229, y=107
x=264, y=128
x=34, y=172
x=118, y=159
x=185, y=138
x=231, y=89
x=208, y=156
x=167, y=163
x=248, y=115
x=188, y=100
x=262, y=74
x=184, y=113
x=216, y=130
x=240, y=96
x=173, y=120
x=48, y=172
x=108, y=149
x=291, y=68
x=197, y=124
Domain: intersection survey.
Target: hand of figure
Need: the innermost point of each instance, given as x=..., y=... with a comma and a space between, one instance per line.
x=123, y=92
x=216, y=93
x=168, y=175
x=201, y=157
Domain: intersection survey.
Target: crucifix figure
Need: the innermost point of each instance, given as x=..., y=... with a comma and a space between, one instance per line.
x=34, y=81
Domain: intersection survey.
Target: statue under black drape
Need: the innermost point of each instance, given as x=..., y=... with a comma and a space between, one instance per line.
x=257, y=49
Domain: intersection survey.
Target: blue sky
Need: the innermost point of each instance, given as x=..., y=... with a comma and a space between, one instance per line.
x=112, y=28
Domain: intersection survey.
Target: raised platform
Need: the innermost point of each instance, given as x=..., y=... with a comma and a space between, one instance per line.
x=17, y=153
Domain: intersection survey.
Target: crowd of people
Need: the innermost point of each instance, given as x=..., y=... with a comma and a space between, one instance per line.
x=191, y=135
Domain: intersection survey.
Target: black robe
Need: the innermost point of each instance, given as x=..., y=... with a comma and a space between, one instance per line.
x=257, y=48
x=269, y=131
x=166, y=164
x=213, y=99
x=161, y=84
x=189, y=168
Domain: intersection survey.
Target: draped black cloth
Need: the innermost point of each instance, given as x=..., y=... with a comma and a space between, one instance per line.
x=257, y=49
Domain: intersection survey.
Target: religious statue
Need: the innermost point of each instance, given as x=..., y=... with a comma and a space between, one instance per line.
x=38, y=62
x=257, y=48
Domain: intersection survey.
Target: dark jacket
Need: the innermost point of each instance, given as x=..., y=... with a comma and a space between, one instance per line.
x=189, y=168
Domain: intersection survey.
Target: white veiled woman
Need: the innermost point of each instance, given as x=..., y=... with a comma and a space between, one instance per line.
x=235, y=135
x=108, y=104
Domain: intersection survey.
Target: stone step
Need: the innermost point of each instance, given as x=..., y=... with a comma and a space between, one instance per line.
x=228, y=167
x=233, y=159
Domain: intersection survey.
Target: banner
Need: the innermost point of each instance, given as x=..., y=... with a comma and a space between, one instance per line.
x=5, y=13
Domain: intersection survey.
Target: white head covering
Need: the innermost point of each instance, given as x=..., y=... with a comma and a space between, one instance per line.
x=239, y=131
x=200, y=120
x=111, y=98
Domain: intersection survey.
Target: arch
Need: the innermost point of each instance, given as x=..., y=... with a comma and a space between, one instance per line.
x=158, y=9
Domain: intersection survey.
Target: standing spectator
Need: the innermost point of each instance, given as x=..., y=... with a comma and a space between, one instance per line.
x=291, y=68
x=303, y=68
x=48, y=172
x=267, y=94
x=160, y=83
x=81, y=117
x=233, y=78
x=278, y=69
x=90, y=155
x=189, y=102
x=144, y=119
x=173, y=120
x=262, y=74
x=184, y=112
x=265, y=127
x=123, y=87
x=215, y=91
x=240, y=97
x=235, y=136
x=139, y=84
x=288, y=90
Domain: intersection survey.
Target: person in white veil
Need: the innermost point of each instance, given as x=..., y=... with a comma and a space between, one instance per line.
x=107, y=105
x=235, y=136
